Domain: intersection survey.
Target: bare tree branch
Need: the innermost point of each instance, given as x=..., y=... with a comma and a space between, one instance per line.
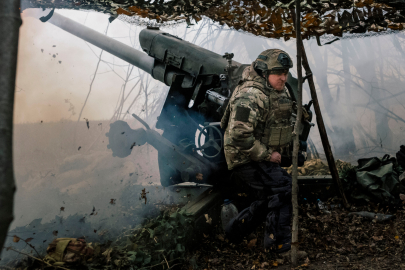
x=92, y=81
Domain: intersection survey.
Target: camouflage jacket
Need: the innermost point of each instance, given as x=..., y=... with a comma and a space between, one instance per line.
x=246, y=117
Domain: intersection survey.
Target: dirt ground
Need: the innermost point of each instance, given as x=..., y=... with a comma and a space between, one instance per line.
x=333, y=240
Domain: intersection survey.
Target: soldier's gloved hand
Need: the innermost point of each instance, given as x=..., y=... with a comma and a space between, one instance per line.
x=401, y=156
x=305, y=114
x=275, y=157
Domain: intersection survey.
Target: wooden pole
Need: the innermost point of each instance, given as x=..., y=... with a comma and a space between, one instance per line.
x=321, y=127
x=10, y=22
x=294, y=242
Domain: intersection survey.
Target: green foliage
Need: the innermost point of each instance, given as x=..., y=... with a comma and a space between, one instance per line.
x=162, y=239
x=347, y=173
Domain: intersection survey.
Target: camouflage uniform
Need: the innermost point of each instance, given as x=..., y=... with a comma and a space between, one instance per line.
x=257, y=121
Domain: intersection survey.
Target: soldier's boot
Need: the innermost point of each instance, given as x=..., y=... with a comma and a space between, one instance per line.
x=246, y=222
x=277, y=236
x=283, y=229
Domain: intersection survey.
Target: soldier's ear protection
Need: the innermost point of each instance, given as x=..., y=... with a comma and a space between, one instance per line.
x=260, y=67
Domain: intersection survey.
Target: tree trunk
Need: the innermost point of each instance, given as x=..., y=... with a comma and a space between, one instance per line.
x=10, y=21
x=341, y=134
x=294, y=242
x=347, y=149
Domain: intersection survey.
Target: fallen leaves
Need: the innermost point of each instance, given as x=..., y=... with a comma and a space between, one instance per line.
x=102, y=232
x=402, y=197
x=310, y=216
x=221, y=237
x=143, y=195
x=378, y=238
x=252, y=243
x=306, y=264
x=199, y=177
x=208, y=219
x=16, y=239
x=107, y=254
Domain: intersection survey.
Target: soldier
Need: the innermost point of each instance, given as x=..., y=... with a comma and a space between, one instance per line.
x=258, y=135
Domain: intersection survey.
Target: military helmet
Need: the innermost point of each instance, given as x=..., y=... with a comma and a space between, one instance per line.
x=273, y=61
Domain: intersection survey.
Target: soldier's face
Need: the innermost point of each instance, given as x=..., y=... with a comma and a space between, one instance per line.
x=277, y=81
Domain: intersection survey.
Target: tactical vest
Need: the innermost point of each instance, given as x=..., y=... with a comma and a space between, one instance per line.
x=278, y=126
x=276, y=129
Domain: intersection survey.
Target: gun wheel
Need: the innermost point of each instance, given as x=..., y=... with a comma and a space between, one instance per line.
x=214, y=142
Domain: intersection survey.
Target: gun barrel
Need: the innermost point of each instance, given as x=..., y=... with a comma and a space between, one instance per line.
x=123, y=51
x=185, y=56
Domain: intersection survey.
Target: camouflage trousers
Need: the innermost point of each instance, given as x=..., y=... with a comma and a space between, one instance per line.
x=272, y=187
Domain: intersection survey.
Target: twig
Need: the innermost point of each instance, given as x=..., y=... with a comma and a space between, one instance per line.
x=174, y=265
x=35, y=258
x=31, y=246
x=146, y=267
x=168, y=266
x=7, y=267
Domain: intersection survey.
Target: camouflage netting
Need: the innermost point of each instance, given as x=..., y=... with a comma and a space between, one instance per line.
x=273, y=19
x=317, y=167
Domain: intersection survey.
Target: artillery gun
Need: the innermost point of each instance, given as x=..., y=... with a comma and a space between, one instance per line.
x=201, y=83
